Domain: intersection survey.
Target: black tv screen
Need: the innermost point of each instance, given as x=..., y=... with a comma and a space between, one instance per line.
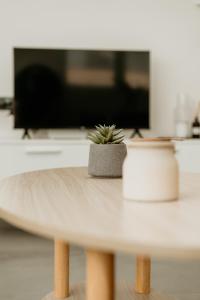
x=76, y=88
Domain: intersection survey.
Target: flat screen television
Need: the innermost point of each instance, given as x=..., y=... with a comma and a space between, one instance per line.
x=56, y=88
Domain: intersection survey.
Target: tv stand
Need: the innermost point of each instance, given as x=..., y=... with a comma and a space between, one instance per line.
x=26, y=134
x=136, y=132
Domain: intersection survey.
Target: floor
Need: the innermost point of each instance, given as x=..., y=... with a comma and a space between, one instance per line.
x=26, y=269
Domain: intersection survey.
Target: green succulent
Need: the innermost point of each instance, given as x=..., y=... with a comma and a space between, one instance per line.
x=106, y=135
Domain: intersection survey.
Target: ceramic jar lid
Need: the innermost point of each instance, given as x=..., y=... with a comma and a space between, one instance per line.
x=151, y=142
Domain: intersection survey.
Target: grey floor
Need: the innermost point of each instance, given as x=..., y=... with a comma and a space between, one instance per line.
x=26, y=269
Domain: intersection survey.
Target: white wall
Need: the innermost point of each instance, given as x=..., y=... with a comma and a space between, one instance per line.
x=169, y=28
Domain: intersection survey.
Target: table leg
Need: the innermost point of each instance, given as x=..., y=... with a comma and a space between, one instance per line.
x=61, y=270
x=100, y=276
x=143, y=275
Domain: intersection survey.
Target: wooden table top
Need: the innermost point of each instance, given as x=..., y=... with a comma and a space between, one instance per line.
x=67, y=204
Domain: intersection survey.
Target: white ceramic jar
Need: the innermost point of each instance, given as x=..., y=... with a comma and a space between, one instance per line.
x=150, y=171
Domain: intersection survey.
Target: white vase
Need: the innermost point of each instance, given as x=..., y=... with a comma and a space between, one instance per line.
x=150, y=171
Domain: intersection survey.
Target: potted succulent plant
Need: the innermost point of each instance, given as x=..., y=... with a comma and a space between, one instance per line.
x=107, y=152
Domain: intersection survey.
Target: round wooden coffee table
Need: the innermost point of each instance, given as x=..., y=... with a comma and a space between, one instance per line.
x=70, y=207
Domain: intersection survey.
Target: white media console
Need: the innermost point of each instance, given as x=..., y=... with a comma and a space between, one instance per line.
x=18, y=156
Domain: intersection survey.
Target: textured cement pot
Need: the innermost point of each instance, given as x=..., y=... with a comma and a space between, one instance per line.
x=106, y=160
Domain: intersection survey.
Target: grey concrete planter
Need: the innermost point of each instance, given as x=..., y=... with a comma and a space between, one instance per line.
x=106, y=160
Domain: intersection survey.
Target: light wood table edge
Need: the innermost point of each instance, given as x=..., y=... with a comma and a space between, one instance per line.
x=92, y=242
